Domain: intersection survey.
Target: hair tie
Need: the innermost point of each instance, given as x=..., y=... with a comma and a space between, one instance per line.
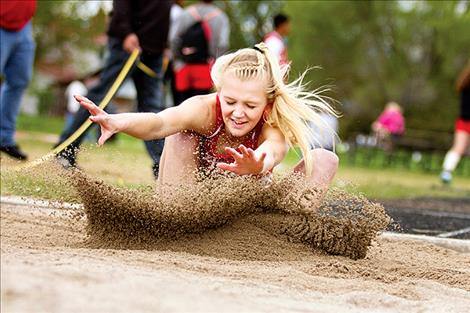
x=258, y=49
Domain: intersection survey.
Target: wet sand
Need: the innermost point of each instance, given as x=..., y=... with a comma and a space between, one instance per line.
x=50, y=263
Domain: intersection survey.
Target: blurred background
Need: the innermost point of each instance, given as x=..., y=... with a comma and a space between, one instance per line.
x=368, y=52
x=372, y=52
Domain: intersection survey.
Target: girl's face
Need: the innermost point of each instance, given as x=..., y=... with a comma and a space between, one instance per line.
x=242, y=103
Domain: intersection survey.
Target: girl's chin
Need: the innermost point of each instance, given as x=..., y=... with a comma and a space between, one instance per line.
x=236, y=132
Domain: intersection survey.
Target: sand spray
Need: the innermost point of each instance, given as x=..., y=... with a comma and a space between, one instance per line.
x=340, y=223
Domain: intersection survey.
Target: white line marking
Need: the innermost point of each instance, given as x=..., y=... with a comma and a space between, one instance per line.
x=460, y=245
x=37, y=203
x=455, y=233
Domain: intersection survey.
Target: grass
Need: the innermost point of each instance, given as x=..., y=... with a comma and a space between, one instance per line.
x=126, y=163
x=389, y=183
x=44, y=124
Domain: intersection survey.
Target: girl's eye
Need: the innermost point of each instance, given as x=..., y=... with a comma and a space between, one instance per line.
x=250, y=106
x=229, y=103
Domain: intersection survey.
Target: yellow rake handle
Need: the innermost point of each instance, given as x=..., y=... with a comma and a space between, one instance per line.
x=109, y=95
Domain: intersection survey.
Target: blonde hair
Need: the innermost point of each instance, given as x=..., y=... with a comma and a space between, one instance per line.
x=293, y=108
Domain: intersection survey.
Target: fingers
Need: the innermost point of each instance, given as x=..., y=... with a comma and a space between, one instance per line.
x=98, y=119
x=234, y=153
x=245, y=153
x=243, y=150
x=88, y=104
x=229, y=167
x=104, y=136
x=262, y=157
x=250, y=153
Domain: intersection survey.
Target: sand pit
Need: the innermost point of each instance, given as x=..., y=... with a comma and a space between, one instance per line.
x=49, y=264
x=206, y=248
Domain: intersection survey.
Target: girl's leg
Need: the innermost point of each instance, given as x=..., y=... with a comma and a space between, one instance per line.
x=179, y=159
x=307, y=198
x=324, y=167
x=452, y=158
x=461, y=141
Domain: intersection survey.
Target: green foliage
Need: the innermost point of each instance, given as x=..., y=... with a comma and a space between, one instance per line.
x=372, y=51
x=62, y=27
x=45, y=99
x=249, y=20
x=377, y=51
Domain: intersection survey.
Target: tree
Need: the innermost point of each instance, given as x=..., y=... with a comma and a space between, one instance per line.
x=249, y=20
x=375, y=52
x=61, y=29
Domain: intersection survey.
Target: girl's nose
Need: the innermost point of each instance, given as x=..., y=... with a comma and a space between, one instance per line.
x=238, y=112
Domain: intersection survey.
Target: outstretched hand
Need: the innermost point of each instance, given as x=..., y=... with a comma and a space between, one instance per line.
x=246, y=161
x=108, y=125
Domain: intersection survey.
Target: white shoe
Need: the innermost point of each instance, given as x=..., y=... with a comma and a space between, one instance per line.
x=446, y=177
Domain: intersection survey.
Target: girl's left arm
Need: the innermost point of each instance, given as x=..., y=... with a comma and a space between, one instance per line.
x=273, y=145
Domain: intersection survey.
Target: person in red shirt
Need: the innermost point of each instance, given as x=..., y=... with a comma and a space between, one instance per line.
x=194, y=55
x=276, y=40
x=462, y=128
x=16, y=64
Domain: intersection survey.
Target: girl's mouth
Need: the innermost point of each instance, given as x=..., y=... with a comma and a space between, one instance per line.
x=237, y=124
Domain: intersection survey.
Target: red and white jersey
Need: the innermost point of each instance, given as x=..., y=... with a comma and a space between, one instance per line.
x=277, y=46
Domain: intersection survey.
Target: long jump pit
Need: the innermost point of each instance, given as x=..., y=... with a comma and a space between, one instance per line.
x=113, y=253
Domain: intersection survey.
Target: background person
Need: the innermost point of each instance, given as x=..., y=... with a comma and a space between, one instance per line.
x=389, y=126
x=134, y=24
x=462, y=127
x=16, y=66
x=276, y=40
x=177, y=9
x=192, y=65
x=78, y=87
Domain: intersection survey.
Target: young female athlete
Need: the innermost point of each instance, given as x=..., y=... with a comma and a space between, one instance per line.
x=245, y=127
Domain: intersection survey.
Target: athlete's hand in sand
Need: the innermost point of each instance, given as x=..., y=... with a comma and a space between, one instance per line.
x=246, y=161
x=109, y=126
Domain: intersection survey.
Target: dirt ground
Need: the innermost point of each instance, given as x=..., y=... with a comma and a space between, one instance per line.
x=48, y=265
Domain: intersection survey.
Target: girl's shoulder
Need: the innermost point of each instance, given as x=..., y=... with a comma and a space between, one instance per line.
x=203, y=111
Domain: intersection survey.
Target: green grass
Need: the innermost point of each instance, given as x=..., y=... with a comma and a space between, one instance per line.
x=126, y=163
x=389, y=183
x=44, y=124
x=398, y=183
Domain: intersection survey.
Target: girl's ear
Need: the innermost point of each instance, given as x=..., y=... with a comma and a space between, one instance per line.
x=269, y=107
x=267, y=111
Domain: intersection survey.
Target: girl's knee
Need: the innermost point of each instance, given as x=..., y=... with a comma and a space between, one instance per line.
x=324, y=158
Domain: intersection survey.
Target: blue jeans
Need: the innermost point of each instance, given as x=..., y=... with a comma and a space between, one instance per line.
x=149, y=96
x=16, y=67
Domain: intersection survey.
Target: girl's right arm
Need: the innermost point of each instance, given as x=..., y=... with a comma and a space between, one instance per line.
x=193, y=114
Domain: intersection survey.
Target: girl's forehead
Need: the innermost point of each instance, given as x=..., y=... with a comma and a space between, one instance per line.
x=234, y=86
